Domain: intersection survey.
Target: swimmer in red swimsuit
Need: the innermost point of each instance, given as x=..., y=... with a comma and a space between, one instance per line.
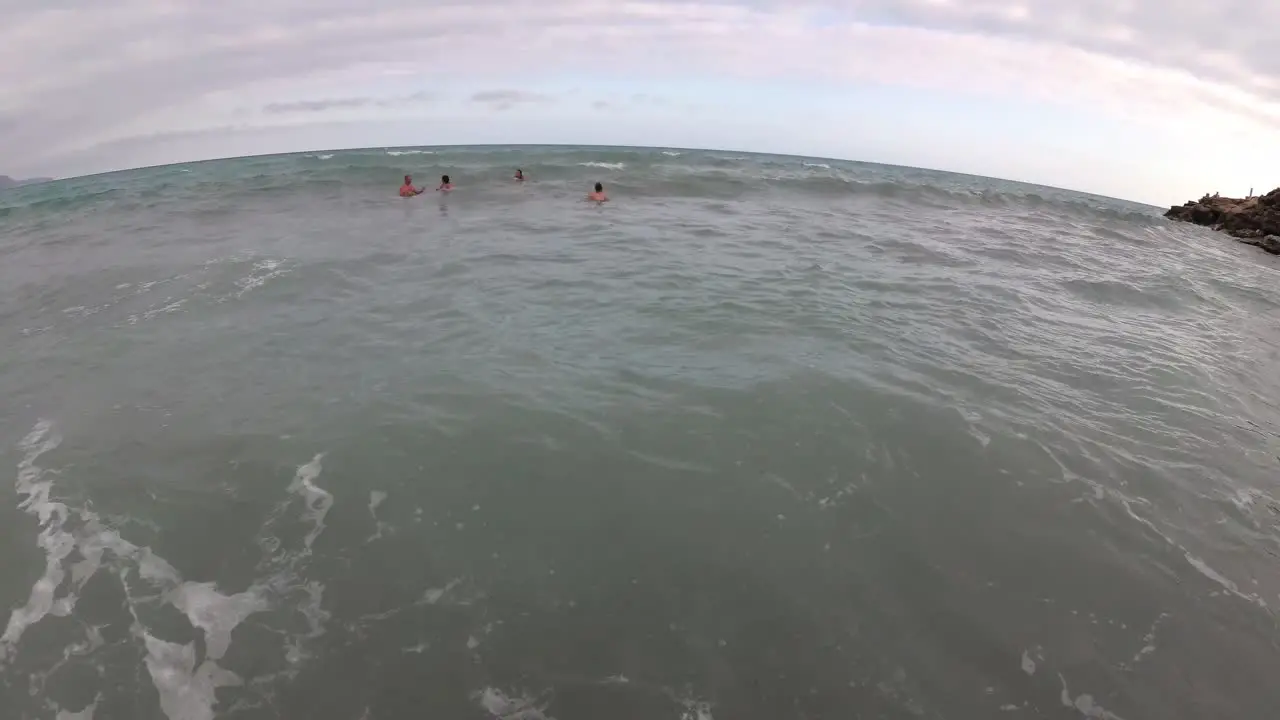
x=407, y=189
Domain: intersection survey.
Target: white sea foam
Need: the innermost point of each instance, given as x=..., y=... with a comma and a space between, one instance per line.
x=500, y=705
x=376, y=498
x=315, y=615
x=35, y=484
x=606, y=166
x=216, y=614
x=822, y=166
x=324, y=157
x=397, y=153
x=671, y=153
x=85, y=714
x=317, y=500
x=185, y=689
x=1245, y=498
x=1149, y=639
x=696, y=710
x=1085, y=704
x=434, y=595
x=263, y=271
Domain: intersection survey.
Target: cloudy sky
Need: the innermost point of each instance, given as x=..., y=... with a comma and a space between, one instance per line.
x=1154, y=100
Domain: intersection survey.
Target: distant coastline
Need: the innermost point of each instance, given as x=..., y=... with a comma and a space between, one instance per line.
x=8, y=182
x=1254, y=220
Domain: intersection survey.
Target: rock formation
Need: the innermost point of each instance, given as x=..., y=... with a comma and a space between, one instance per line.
x=1255, y=220
x=7, y=182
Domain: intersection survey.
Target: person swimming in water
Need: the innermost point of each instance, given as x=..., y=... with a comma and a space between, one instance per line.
x=598, y=194
x=445, y=185
x=408, y=190
x=519, y=174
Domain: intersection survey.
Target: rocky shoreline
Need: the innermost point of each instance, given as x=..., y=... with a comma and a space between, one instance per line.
x=1253, y=220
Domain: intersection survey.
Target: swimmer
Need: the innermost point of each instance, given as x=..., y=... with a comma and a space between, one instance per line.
x=445, y=185
x=408, y=190
x=519, y=174
x=598, y=194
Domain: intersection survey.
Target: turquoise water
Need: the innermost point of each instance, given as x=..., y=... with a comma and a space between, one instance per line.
x=763, y=437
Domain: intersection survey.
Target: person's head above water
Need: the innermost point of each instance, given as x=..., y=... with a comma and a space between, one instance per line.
x=599, y=187
x=408, y=180
x=519, y=174
x=444, y=179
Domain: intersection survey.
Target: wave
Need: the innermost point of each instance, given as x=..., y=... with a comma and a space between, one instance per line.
x=649, y=173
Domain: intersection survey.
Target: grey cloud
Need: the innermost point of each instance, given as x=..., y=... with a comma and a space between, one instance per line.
x=509, y=97
x=317, y=105
x=500, y=100
x=648, y=99
x=601, y=105
x=313, y=106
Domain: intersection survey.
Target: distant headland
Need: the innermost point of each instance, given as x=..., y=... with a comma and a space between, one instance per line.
x=8, y=182
x=1254, y=220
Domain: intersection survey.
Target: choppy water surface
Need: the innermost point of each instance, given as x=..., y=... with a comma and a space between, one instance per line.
x=763, y=437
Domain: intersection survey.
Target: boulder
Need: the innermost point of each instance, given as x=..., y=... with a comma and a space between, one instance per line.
x=1254, y=220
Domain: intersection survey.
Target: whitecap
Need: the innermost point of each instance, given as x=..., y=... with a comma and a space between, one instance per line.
x=606, y=166
x=397, y=153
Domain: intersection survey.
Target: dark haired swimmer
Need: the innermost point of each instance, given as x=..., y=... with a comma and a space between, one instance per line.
x=519, y=174
x=598, y=194
x=408, y=190
x=445, y=185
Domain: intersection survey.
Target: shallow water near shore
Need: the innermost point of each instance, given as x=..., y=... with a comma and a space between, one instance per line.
x=764, y=437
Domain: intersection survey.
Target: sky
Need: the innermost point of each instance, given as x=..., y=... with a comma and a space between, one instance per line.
x=1150, y=100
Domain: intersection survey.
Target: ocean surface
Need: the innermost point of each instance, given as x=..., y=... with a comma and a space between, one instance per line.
x=763, y=438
